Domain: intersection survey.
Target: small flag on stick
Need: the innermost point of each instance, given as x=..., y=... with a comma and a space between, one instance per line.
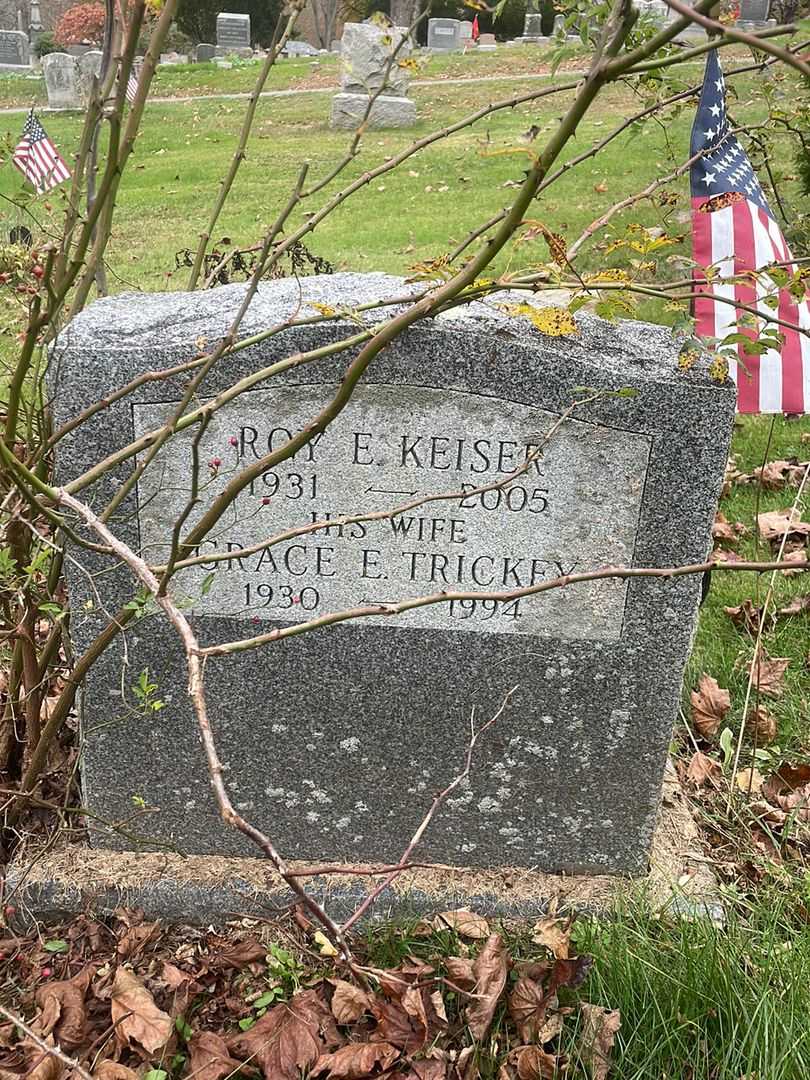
x=132, y=81
x=735, y=233
x=476, y=33
x=38, y=159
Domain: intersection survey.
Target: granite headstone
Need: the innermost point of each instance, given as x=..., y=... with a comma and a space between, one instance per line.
x=15, y=50
x=233, y=31
x=88, y=68
x=61, y=74
x=371, y=63
x=444, y=35
x=204, y=52
x=335, y=740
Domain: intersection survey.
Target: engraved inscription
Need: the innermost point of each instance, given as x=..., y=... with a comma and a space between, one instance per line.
x=574, y=509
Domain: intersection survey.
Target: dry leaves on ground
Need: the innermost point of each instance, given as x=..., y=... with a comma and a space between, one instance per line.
x=776, y=524
x=725, y=531
x=768, y=673
x=709, y=706
x=148, y=996
x=599, y=1027
x=703, y=770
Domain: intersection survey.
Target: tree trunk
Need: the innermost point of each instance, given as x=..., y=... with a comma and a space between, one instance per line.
x=403, y=12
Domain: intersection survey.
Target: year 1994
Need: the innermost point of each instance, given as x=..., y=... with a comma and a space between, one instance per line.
x=484, y=609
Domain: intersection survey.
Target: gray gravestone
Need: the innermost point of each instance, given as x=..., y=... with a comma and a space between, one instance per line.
x=233, y=31
x=205, y=52
x=300, y=48
x=88, y=68
x=487, y=42
x=754, y=11
x=371, y=59
x=335, y=741
x=444, y=34
x=62, y=81
x=15, y=50
x=465, y=32
x=533, y=27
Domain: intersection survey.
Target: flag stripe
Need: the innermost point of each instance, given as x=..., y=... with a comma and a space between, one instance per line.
x=742, y=237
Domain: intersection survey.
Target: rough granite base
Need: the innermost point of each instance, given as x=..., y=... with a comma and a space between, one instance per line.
x=348, y=110
x=202, y=890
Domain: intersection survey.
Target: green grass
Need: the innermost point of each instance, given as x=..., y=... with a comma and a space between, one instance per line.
x=721, y=648
x=415, y=213
x=182, y=80
x=697, y=1000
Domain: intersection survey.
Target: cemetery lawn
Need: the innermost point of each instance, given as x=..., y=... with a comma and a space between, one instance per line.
x=695, y=1000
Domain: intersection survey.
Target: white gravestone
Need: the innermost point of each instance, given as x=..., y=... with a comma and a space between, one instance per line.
x=62, y=81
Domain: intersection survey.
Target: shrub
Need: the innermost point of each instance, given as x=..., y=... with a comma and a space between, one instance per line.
x=44, y=44
x=79, y=24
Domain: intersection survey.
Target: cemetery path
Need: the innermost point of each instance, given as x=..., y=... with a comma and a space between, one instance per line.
x=331, y=89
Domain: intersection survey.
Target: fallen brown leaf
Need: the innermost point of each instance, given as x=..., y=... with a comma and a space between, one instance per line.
x=726, y=531
x=135, y=1015
x=490, y=970
x=395, y=1025
x=210, y=1059
x=533, y=1063
x=238, y=955
x=64, y=1012
x=704, y=770
x=786, y=778
x=797, y=559
x=136, y=938
x=750, y=780
x=572, y=972
x=599, y=1027
x=466, y=923
x=287, y=1039
x=746, y=616
x=356, y=1061
x=796, y=803
x=768, y=674
x=113, y=1070
x=553, y=934
x=761, y=725
x=709, y=706
x=775, y=524
x=797, y=606
x=460, y=971
x=43, y=1066
x=349, y=1002
x=527, y=1003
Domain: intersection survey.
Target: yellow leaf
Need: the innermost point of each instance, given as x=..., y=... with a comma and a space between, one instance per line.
x=325, y=945
x=552, y=321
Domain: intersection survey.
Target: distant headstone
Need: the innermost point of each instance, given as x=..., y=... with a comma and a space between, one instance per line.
x=444, y=35
x=170, y=59
x=754, y=11
x=300, y=48
x=335, y=741
x=487, y=42
x=336, y=46
x=88, y=68
x=233, y=31
x=204, y=52
x=533, y=26
x=465, y=30
x=15, y=50
x=61, y=74
x=371, y=60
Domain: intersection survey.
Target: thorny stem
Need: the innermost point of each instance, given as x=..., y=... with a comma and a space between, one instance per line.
x=277, y=44
x=196, y=691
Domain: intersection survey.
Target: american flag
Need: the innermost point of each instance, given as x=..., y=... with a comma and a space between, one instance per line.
x=132, y=82
x=38, y=159
x=735, y=232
